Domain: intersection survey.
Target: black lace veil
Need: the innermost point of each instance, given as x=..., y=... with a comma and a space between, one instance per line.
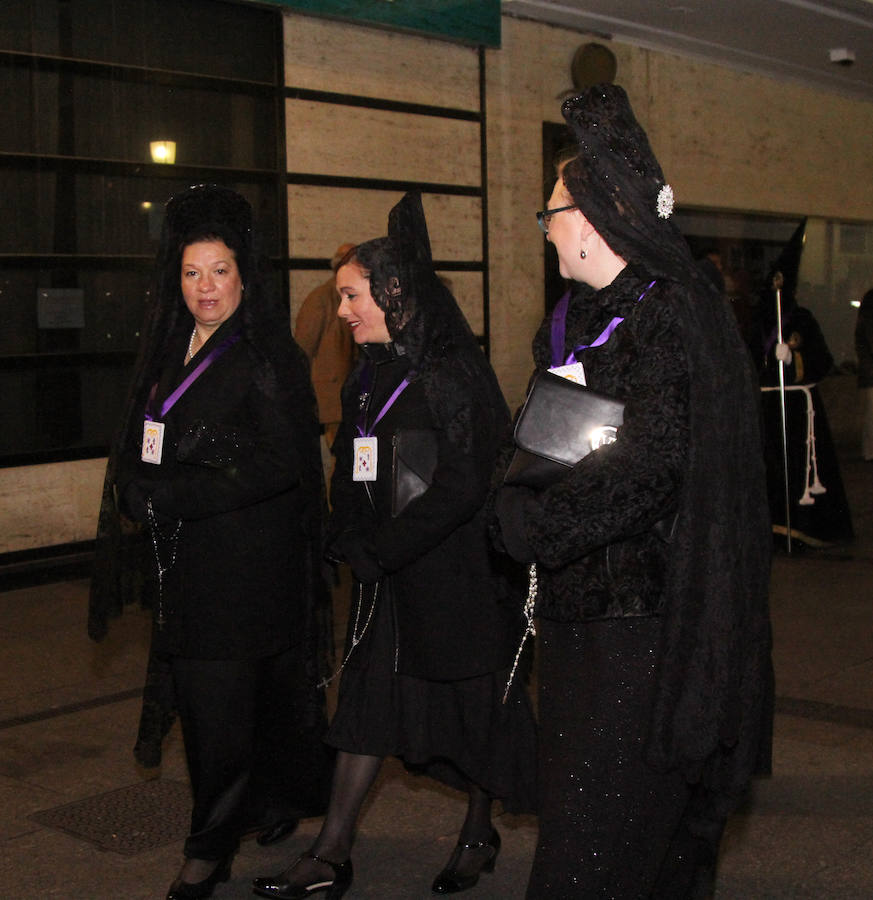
x=618, y=184
x=714, y=685
x=423, y=318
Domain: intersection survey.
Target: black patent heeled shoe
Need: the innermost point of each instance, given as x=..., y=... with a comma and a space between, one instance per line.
x=279, y=886
x=200, y=890
x=450, y=881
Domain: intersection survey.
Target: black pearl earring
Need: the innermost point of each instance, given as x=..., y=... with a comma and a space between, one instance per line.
x=583, y=254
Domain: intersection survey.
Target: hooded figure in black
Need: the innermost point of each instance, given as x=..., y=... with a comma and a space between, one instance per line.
x=652, y=553
x=212, y=515
x=431, y=630
x=817, y=512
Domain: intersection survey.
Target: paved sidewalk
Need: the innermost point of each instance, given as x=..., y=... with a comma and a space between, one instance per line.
x=69, y=708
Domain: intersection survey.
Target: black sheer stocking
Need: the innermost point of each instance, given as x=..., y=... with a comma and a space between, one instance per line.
x=353, y=777
x=477, y=826
x=477, y=829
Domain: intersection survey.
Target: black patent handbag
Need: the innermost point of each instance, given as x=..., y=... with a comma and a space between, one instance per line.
x=561, y=422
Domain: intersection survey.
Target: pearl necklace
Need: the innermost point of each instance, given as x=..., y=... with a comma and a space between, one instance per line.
x=191, y=345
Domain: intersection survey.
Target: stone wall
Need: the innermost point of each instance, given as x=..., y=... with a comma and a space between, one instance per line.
x=57, y=503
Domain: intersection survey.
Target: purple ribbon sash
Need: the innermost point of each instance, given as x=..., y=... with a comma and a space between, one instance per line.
x=202, y=366
x=559, y=329
x=389, y=403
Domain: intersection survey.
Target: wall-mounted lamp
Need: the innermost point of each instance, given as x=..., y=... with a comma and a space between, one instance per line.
x=163, y=151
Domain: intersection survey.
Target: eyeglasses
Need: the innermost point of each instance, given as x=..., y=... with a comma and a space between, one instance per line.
x=544, y=215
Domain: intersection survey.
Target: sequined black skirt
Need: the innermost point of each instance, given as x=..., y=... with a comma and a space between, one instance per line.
x=606, y=818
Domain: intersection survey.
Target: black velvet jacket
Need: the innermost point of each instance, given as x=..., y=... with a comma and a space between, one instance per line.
x=451, y=618
x=597, y=553
x=237, y=469
x=241, y=468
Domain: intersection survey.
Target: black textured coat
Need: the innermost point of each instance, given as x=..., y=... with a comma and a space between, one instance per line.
x=451, y=618
x=237, y=447
x=592, y=533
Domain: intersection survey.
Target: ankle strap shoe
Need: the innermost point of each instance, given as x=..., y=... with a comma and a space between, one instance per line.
x=279, y=886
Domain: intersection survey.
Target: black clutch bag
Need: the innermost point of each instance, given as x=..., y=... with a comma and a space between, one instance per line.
x=560, y=423
x=413, y=460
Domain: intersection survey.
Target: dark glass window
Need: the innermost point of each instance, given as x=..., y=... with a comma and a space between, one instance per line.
x=73, y=406
x=87, y=85
x=62, y=212
x=94, y=116
x=97, y=310
x=207, y=37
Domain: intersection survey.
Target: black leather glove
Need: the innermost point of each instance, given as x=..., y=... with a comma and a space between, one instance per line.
x=358, y=551
x=509, y=507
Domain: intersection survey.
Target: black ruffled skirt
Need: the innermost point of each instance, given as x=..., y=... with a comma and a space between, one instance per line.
x=454, y=731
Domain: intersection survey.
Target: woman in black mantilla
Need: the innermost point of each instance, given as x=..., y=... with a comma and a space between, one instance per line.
x=431, y=632
x=654, y=642
x=218, y=464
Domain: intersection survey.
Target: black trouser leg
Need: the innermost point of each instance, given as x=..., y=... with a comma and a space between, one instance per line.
x=217, y=702
x=292, y=765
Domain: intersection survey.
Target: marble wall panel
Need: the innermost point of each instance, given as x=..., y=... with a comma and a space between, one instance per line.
x=330, y=139
x=322, y=218
x=332, y=56
x=743, y=141
x=50, y=504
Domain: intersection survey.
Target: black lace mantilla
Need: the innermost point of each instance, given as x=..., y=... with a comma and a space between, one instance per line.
x=422, y=315
x=714, y=669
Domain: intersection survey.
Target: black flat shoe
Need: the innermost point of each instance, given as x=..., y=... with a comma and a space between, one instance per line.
x=277, y=832
x=450, y=881
x=279, y=886
x=200, y=890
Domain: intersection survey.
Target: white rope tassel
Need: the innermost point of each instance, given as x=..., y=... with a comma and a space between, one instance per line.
x=812, y=485
x=528, y=610
x=806, y=498
x=816, y=487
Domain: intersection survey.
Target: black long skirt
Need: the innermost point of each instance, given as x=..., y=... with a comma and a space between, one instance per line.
x=454, y=731
x=610, y=826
